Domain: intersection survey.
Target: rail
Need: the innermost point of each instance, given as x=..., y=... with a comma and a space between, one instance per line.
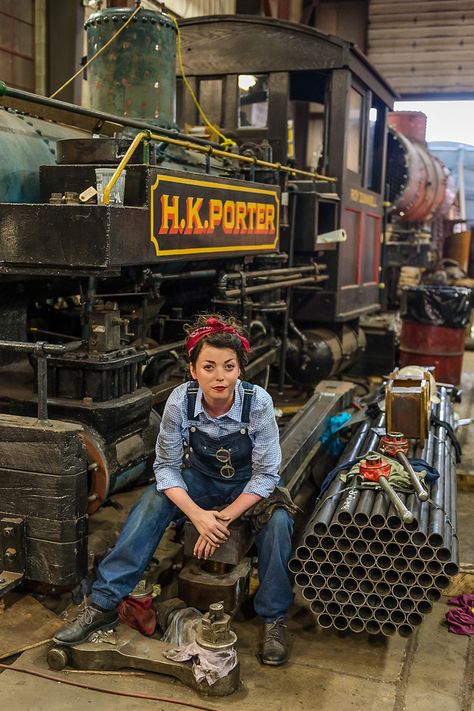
x=209, y=151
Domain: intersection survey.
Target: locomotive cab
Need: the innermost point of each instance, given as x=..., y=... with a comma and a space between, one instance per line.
x=315, y=101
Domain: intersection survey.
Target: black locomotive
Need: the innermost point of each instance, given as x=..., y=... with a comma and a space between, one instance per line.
x=282, y=229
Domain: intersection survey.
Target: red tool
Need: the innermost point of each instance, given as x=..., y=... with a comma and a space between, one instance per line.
x=374, y=468
x=396, y=445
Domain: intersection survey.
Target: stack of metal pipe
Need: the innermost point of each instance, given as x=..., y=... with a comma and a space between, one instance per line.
x=358, y=565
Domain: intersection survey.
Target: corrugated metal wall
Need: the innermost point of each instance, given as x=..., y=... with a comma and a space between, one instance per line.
x=193, y=8
x=17, y=47
x=425, y=47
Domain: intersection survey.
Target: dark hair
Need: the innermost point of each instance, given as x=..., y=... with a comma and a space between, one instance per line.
x=220, y=339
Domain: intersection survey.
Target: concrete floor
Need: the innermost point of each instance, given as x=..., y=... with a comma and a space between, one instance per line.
x=431, y=671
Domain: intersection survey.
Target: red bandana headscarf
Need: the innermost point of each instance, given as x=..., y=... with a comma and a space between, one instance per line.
x=213, y=325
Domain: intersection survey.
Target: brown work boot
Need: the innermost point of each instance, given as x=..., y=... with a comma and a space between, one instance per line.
x=275, y=643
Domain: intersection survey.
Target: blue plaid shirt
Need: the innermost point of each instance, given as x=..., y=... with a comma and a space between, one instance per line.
x=262, y=429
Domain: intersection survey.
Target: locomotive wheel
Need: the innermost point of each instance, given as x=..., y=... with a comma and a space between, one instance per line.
x=57, y=658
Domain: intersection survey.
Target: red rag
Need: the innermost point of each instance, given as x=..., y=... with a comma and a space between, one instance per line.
x=136, y=612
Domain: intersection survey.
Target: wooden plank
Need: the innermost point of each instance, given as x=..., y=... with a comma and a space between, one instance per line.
x=56, y=563
x=53, y=448
x=58, y=530
x=28, y=494
x=463, y=582
x=25, y=623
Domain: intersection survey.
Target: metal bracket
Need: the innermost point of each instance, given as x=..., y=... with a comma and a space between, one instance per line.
x=12, y=552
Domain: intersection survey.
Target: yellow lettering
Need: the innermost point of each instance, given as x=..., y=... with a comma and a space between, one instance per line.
x=228, y=219
x=169, y=212
x=270, y=219
x=251, y=210
x=261, y=209
x=240, y=212
x=215, y=214
x=193, y=221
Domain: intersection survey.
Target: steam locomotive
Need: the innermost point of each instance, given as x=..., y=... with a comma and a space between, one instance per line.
x=282, y=230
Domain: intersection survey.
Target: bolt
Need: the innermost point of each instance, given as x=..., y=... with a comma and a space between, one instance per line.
x=8, y=531
x=10, y=554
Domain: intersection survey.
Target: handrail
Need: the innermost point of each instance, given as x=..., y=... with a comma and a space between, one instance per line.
x=208, y=150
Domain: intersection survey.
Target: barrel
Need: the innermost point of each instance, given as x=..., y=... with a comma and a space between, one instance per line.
x=433, y=329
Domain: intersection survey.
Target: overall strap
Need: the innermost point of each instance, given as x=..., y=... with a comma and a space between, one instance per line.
x=249, y=390
x=192, y=397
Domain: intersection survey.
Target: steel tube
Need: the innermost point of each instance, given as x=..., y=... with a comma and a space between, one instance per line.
x=356, y=625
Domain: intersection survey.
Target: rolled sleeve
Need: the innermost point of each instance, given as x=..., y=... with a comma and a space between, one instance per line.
x=169, y=444
x=266, y=452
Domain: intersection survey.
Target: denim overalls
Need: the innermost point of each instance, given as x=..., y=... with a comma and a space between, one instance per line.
x=215, y=473
x=228, y=458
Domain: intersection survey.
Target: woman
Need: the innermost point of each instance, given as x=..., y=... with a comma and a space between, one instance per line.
x=218, y=445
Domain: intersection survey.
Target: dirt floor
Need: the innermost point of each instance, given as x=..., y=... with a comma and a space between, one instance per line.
x=430, y=671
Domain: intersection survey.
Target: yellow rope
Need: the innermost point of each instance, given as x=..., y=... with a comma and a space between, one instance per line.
x=116, y=34
x=225, y=141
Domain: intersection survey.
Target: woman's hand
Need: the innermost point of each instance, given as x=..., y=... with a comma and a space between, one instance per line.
x=212, y=526
x=203, y=549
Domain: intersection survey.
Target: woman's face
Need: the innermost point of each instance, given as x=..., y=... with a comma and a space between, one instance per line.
x=216, y=371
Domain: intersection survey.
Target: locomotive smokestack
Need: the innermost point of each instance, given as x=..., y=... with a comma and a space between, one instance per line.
x=136, y=75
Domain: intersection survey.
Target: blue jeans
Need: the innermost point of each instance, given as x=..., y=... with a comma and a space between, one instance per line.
x=123, y=567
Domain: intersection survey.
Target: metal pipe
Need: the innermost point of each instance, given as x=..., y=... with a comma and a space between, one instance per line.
x=333, y=608
x=317, y=581
x=424, y=606
x=349, y=610
x=341, y=623
x=352, y=532
x=372, y=627
x=349, y=501
x=433, y=594
x=434, y=567
x=358, y=598
x=425, y=580
x=397, y=617
x=405, y=630
x=388, y=629
x=379, y=510
x=376, y=547
x=375, y=574
x=327, y=569
x=435, y=527
x=342, y=596
x=407, y=605
x=311, y=567
x=325, y=620
x=359, y=546
x=356, y=625
x=317, y=607
x=326, y=595
x=368, y=533
x=381, y=614
x=351, y=558
x=402, y=536
x=309, y=593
